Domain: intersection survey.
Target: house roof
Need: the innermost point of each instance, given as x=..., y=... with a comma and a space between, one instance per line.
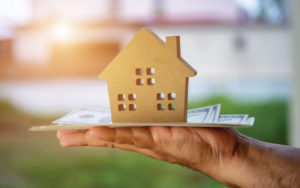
x=147, y=43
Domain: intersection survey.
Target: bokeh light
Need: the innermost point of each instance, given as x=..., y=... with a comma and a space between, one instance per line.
x=62, y=32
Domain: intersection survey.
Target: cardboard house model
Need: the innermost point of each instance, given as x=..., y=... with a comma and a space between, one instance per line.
x=148, y=80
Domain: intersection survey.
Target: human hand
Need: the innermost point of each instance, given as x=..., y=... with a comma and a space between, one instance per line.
x=202, y=149
x=221, y=153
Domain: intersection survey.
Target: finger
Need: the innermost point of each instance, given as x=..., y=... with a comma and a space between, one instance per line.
x=118, y=135
x=160, y=135
x=149, y=152
x=139, y=136
x=73, y=139
x=124, y=136
x=60, y=133
x=103, y=133
x=94, y=137
x=142, y=137
x=83, y=138
x=133, y=148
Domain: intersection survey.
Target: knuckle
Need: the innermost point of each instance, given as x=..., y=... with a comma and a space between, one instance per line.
x=124, y=136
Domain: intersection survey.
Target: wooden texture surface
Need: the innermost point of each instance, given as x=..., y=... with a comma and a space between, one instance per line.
x=148, y=80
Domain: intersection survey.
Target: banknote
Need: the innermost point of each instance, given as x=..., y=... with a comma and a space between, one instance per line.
x=249, y=121
x=215, y=114
x=207, y=114
x=233, y=118
x=86, y=115
x=94, y=115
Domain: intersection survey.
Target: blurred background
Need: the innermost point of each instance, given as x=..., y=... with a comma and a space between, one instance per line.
x=52, y=51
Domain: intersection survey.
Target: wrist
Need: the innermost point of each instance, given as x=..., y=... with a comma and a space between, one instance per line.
x=242, y=166
x=249, y=165
x=233, y=168
x=252, y=163
x=225, y=164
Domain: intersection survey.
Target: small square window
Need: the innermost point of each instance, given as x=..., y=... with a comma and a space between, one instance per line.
x=139, y=71
x=172, y=106
x=172, y=96
x=121, y=97
x=132, y=97
x=122, y=107
x=132, y=107
x=150, y=71
x=160, y=96
x=161, y=106
x=140, y=81
x=150, y=81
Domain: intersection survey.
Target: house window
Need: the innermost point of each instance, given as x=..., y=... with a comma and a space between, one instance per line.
x=160, y=96
x=125, y=105
x=132, y=107
x=122, y=107
x=172, y=96
x=121, y=97
x=172, y=106
x=145, y=77
x=150, y=71
x=139, y=71
x=140, y=81
x=161, y=106
x=150, y=81
x=132, y=97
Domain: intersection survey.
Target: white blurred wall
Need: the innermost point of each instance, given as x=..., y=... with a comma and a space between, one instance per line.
x=216, y=51
x=295, y=102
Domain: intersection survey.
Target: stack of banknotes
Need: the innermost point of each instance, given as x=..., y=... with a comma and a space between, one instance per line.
x=204, y=115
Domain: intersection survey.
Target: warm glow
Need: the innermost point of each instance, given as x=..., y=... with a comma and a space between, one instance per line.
x=62, y=32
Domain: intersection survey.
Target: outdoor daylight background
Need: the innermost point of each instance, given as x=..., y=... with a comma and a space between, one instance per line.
x=51, y=52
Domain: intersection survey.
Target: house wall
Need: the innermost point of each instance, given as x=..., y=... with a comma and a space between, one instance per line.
x=147, y=67
x=147, y=100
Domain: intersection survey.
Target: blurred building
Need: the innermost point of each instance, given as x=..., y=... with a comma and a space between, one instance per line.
x=6, y=49
x=81, y=38
x=239, y=49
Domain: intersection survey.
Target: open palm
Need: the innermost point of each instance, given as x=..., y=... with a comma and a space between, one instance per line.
x=202, y=149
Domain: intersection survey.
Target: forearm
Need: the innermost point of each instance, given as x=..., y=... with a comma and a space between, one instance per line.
x=260, y=164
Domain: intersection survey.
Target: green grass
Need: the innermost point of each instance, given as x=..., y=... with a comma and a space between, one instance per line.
x=32, y=160
x=35, y=159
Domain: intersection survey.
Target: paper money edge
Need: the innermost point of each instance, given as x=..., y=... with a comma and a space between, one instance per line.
x=248, y=123
x=245, y=119
x=190, y=113
x=61, y=119
x=64, y=118
x=215, y=119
